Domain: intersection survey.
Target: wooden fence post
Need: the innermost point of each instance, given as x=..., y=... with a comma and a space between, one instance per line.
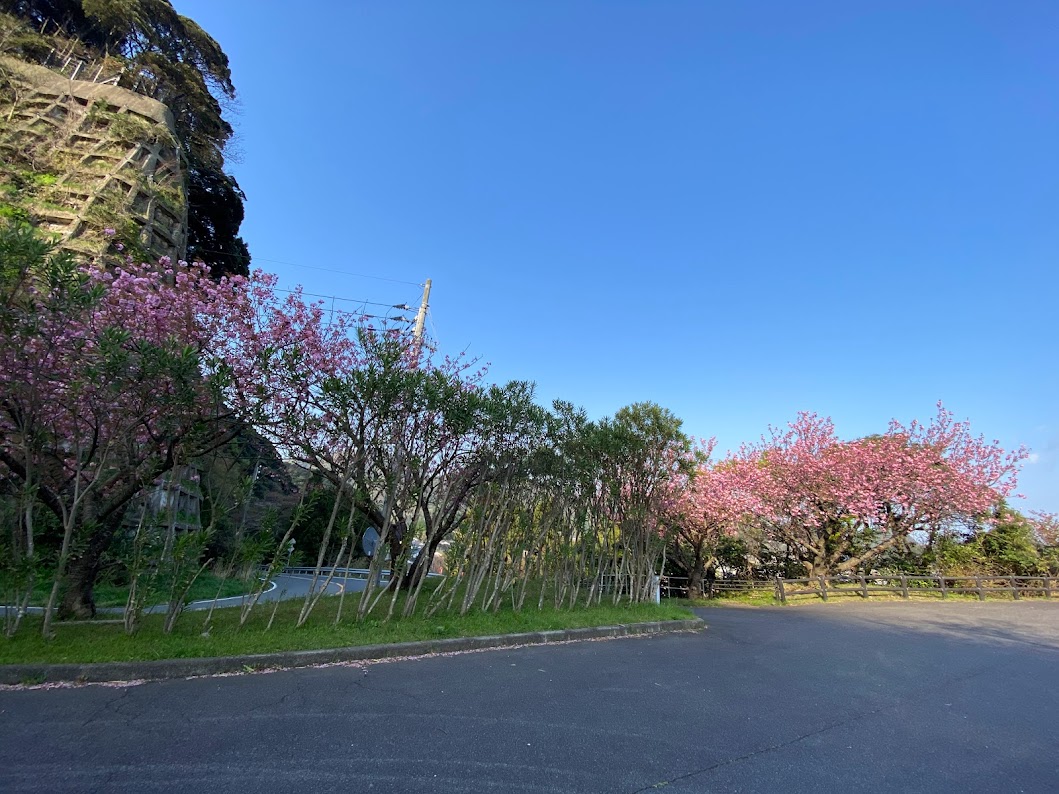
x=823, y=587
x=1014, y=588
x=1047, y=587
x=863, y=587
x=779, y=590
x=941, y=584
x=978, y=585
x=904, y=587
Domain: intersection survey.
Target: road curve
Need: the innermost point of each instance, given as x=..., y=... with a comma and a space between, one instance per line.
x=286, y=586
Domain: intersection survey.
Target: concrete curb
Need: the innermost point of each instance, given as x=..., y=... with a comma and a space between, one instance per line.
x=185, y=668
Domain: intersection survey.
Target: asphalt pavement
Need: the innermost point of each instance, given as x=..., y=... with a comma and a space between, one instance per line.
x=884, y=697
x=284, y=586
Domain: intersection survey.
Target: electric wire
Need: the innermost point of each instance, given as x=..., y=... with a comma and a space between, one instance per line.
x=433, y=328
x=254, y=257
x=355, y=301
x=405, y=306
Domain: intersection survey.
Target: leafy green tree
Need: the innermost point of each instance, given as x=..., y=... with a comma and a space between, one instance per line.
x=215, y=212
x=642, y=450
x=1009, y=546
x=104, y=388
x=953, y=554
x=1006, y=543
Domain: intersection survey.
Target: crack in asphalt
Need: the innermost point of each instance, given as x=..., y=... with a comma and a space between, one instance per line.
x=107, y=706
x=809, y=734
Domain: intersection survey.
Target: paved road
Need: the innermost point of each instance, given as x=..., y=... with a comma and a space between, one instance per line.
x=886, y=697
x=284, y=586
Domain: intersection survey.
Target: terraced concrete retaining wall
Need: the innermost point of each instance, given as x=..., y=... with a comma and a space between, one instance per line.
x=78, y=156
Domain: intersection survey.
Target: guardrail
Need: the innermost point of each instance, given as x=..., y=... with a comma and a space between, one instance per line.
x=339, y=573
x=345, y=573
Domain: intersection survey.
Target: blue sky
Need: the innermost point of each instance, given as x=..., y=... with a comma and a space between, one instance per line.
x=736, y=210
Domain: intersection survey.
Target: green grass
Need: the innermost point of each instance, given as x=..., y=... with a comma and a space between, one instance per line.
x=108, y=594
x=843, y=595
x=757, y=598
x=108, y=642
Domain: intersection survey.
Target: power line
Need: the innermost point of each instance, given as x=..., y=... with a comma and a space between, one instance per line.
x=362, y=316
x=433, y=328
x=254, y=258
x=358, y=302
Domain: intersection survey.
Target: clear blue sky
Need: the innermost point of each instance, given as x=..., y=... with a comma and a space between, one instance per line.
x=737, y=210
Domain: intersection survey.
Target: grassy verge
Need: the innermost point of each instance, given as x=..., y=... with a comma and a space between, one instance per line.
x=204, y=589
x=757, y=598
x=107, y=642
x=108, y=594
x=763, y=598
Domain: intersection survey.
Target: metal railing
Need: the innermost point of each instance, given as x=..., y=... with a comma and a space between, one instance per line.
x=338, y=573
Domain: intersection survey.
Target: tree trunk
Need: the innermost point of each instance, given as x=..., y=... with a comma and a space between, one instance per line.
x=696, y=570
x=423, y=561
x=695, y=581
x=816, y=567
x=78, y=600
x=396, y=542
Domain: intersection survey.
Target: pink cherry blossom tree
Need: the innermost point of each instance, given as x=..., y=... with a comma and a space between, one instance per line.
x=714, y=502
x=399, y=432
x=102, y=390
x=837, y=504
x=1045, y=528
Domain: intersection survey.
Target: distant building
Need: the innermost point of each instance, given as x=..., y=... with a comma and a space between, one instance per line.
x=175, y=502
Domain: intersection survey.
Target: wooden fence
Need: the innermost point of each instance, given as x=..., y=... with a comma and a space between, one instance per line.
x=677, y=586
x=981, y=585
x=862, y=586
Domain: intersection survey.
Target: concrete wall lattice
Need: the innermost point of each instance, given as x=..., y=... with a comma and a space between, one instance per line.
x=77, y=156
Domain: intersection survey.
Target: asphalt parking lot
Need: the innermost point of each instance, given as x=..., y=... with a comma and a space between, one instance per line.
x=933, y=697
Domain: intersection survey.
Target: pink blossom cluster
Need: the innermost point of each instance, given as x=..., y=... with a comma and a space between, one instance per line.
x=836, y=503
x=319, y=385
x=906, y=479
x=714, y=502
x=100, y=367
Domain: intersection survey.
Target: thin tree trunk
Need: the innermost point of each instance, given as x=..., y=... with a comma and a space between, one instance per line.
x=349, y=559
x=309, y=606
x=323, y=548
x=176, y=603
x=255, y=595
x=365, y=604
x=64, y=553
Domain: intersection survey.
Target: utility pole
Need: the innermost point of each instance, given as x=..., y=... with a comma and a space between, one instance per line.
x=421, y=318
